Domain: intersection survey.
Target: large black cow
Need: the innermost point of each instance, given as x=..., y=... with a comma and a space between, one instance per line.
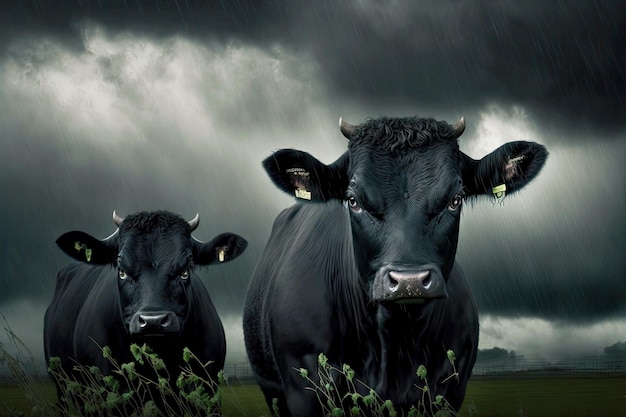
x=363, y=268
x=138, y=286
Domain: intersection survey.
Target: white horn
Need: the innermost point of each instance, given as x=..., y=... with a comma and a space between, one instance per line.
x=117, y=219
x=193, y=223
x=458, y=128
x=346, y=128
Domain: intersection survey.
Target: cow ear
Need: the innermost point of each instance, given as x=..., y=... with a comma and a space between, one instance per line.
x=303, y=176
x=504, y=171
x=222, y=248
x=85, y=248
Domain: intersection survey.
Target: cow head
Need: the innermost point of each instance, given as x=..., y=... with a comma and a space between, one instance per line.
x=154, y=255
x=404, y=182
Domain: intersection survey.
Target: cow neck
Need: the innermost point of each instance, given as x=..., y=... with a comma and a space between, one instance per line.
x=355, y=317
x=399, y=327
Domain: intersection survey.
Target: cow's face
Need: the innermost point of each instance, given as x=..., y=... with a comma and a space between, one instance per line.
x=404, y=182
x=154, y=256
x=405, y=209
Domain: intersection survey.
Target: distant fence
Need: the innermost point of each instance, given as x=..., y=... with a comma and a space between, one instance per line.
x=586, y=367
x=511, y=368
x=239, y=372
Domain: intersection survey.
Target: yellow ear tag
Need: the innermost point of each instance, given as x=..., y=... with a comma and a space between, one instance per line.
x=80, y=246
x=220, y=255
x=499, y=193
x=303, y=194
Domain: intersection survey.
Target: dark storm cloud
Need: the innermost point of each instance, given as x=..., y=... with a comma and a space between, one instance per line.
x=137, y=126
x=555, y=249
x=495, y=353
x=564, y=61
x=617, y=350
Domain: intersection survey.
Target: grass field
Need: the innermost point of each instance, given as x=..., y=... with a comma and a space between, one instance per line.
x=551, y=397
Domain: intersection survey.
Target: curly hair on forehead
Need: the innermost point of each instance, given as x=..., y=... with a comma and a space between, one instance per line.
x=399, y=133
x=150, y=221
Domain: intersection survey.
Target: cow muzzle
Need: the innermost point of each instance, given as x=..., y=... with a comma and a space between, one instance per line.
x=154, y=323
x=401, y=284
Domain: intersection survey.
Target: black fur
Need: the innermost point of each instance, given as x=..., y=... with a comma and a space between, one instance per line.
x=146, y=267
x=387, y=210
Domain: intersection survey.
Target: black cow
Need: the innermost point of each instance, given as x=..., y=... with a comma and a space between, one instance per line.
x=138, y=286
x=363, y=268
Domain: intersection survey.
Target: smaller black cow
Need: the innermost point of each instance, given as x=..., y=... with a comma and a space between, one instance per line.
x=138, y=286
x=362, y=268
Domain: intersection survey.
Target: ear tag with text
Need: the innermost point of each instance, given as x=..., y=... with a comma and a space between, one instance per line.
x=220, y=255
x=499, y=193
x=300, y=178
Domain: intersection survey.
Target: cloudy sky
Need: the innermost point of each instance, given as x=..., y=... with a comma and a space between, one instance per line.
x=143, y=105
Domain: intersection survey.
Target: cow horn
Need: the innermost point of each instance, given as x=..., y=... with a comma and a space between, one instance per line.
x=193, y=223
x=458, y=128
x=117, y=219
x=110, y=237
x=346, y=128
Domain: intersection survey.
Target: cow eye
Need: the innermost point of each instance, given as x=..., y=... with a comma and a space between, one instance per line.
x=354, y=205
x=122, y=274
x=456, y=202
x=185, y=274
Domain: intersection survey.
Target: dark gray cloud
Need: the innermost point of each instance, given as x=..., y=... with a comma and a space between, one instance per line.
x=564, y=61
x=135, y=126
x=495, y=353
x=616, y=350
x=554, y=250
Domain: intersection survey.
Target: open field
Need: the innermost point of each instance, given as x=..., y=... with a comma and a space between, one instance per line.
x=561, y=397
x=553, y=397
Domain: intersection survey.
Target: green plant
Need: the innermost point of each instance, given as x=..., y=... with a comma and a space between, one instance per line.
x=339, y=393
x=143, y=387
x=140, y=388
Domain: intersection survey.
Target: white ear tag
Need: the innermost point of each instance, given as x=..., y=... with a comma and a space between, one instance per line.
x=300, y=178
x=499, y=193
x=220, y=255
x=303, y=194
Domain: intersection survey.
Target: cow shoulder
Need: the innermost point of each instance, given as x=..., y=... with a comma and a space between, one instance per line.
x=75, y=284
x=305, y=275
x=99, y=322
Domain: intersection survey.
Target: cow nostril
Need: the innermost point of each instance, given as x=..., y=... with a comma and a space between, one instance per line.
x=393, y=284
x=166, y=321
x=142, y=322
x=427, y=281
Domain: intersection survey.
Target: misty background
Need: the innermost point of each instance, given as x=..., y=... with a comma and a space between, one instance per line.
x=148, y=105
